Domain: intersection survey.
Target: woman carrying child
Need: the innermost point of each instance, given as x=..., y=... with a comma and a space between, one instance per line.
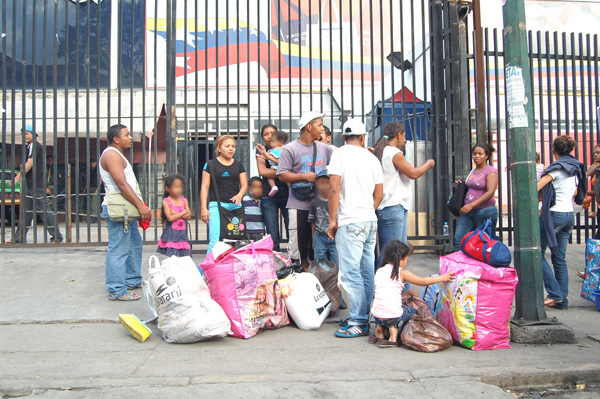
x=175, y=211
x=230, y=178
x=388, y=310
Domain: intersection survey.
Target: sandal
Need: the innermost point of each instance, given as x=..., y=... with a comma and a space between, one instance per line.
x=551, y=302
x=384, y=343
x=581, y=275
x=130, y=296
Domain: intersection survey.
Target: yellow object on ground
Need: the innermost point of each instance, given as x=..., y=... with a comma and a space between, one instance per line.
x=135, y=327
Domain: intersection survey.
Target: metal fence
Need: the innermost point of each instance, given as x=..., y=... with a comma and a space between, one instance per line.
x=180, y=73
x=566, y=94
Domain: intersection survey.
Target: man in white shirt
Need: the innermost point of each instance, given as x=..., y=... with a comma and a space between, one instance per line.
x=356, y=183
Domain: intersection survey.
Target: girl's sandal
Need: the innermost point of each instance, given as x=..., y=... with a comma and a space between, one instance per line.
x=130, y=296
x=581, y=275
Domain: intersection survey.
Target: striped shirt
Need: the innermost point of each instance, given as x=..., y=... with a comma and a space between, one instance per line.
x=254, y=217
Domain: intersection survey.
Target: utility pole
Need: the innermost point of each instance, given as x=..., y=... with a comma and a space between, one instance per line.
x=521, y=138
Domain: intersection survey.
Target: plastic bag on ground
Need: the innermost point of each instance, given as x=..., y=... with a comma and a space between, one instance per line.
x=592, y=270
x=413, y=301
x=425, y=334
x=244, y=283
x=476, y=307
x=327, y=274
x=186, y=312
x=307, y=302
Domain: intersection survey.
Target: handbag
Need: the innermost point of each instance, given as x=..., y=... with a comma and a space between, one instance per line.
x=480, y=245
x=233, y=223
x=457, y=199
x=305, y=190
x=120, y=209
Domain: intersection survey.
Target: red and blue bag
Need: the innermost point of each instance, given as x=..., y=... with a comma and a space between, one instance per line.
x=480, y=245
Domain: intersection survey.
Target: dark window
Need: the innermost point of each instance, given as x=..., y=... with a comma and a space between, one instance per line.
x=78, y=35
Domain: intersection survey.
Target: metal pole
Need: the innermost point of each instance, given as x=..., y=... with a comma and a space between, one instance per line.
x=521, y=139
x=171, y=124
x=482, y=135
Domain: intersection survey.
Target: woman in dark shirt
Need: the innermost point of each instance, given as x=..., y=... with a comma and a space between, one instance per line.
x=230, y=176
x=271, y=206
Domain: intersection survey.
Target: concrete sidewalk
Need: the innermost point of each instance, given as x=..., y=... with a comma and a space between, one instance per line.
x=59, y=337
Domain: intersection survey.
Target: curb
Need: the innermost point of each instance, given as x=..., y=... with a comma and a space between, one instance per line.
x=524, y=378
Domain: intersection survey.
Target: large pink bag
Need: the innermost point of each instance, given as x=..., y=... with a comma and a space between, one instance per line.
x=476, y=307
x=244, y=283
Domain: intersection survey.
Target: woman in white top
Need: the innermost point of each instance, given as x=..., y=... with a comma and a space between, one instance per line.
x=560, y=182
x=392, y=216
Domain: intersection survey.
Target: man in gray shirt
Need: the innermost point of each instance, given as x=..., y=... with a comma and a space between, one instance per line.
x=296, y=165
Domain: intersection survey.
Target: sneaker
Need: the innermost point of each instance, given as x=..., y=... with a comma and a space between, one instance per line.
x=274, y=191
x=344, y=322
x=352, y=331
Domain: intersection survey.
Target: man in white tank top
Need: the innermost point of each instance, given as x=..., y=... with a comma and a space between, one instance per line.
x=124, y=255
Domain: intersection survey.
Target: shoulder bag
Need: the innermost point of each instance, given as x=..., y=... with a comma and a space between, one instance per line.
x=305, y=190
x=457, y=200
x=233, y=223
x=120, y=209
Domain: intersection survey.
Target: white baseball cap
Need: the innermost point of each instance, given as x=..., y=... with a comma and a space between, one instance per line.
x=308, y=117
x=354, y=127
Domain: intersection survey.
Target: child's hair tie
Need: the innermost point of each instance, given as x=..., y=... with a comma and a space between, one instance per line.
x=386, y=137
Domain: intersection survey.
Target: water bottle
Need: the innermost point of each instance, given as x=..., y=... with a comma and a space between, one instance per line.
x=445, y=230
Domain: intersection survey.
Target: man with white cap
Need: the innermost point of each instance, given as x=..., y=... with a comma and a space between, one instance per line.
x=34, y=202
x=356, y=190
x=299, y=163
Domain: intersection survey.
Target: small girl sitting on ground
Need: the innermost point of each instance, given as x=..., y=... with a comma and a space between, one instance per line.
x=175, y=212
x=388, y=310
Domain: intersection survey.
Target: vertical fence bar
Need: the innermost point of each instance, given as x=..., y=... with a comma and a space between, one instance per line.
x=4, y=170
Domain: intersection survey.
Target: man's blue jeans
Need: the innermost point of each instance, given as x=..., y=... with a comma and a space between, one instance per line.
x=123, y=257
x=557, y=282
x=270, y=208
x=325, y=248
x=392, y=224
x=356, y=251
x=472, y=220
x=214, y=223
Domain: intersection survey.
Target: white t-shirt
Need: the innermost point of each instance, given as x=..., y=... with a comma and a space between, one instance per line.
x=360, y=171
x=565, y=187
x=396, y=185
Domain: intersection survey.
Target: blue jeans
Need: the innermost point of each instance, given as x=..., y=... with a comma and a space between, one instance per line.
x=270, y=209
x=472, y=220
x=392, y=224
x=557, y=282
x=214, y=223
x=123, y=257
x=356, y=250
x=325, y=248
x=399, y=322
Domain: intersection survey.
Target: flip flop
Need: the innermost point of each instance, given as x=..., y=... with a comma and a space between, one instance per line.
x=130, y=296
x=581, y=275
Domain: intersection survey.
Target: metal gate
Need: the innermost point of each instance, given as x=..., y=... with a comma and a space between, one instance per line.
x=180, y=73
x=566, y=101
